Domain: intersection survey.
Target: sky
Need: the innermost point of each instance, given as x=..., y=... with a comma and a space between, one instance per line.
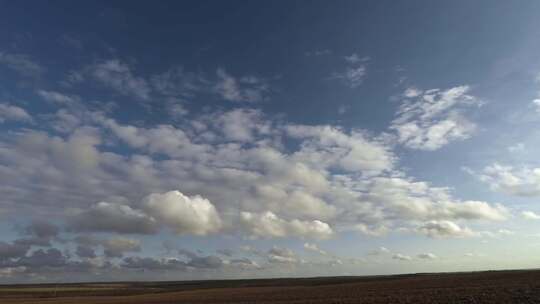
x=245, y=139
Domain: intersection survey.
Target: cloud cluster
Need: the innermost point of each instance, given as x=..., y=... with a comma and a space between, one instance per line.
x=174, y=210
x=401, y=257
x=522, y=181
x=323, y=178
x=314, y=248
x=175, y=84
x=444, y=229
x=269, y=225
x=183, y=214
x=428, y=120
x=238, y=172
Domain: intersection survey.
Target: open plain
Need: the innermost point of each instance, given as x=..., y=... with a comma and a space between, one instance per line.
x=520, y=286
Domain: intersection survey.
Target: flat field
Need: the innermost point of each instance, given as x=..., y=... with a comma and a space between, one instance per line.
x=521, y=286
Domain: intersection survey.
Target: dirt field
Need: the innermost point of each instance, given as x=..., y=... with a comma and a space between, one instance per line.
x=480, y=287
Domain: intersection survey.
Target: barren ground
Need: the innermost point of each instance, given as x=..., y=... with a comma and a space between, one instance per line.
x=480, y=287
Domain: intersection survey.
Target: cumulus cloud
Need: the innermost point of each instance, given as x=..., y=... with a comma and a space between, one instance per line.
x=113, y=217
x=244, y=263
x=380, y=251
x=242, y=124
x=268, y=224
x=401, y=257
x=174, y=210
x=331, y=177
x=313, y=247
x=530, y=215
x=281, y=255
x=536, y=105
x=431, y=119
x=522, y=181
x=329, y=146
x=57, y=97
x=162, y=139
x=444, y=229
x=183, y=214
x=13, y=113
x=427, y=256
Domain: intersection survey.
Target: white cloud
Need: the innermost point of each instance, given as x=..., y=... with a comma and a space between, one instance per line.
x=113, y=217
x=433, y=118
x=522, y=181
x=327, y=146
x=443, y=229
x=401, y=257
x=536, y=105
x=57, y=97
x=403, y=199
x=427, y=256
x=268, y=224
x=313, y=247
x=163, y=139
x=355, y=58
x=377, y=230
x=353, y=77
x=323, y=179
x=176, y=109
x=242, y=124
x=281, y=255
x=13, y=113
x=412, y=92
x=244, y=89
x=355, y=72
x=519, y=147
x=7, y=272
x=529, y=215
x=380, y=251
x=119, y=76
x=473, y=255
x=183, y=214
x=22, y=64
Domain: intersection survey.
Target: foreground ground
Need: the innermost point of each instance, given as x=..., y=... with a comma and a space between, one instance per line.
x=478, y=287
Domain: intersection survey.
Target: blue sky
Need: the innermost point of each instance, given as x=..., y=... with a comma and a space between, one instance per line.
x=242, y=139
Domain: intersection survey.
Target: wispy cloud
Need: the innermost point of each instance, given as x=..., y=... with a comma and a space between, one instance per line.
x=429, y=120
